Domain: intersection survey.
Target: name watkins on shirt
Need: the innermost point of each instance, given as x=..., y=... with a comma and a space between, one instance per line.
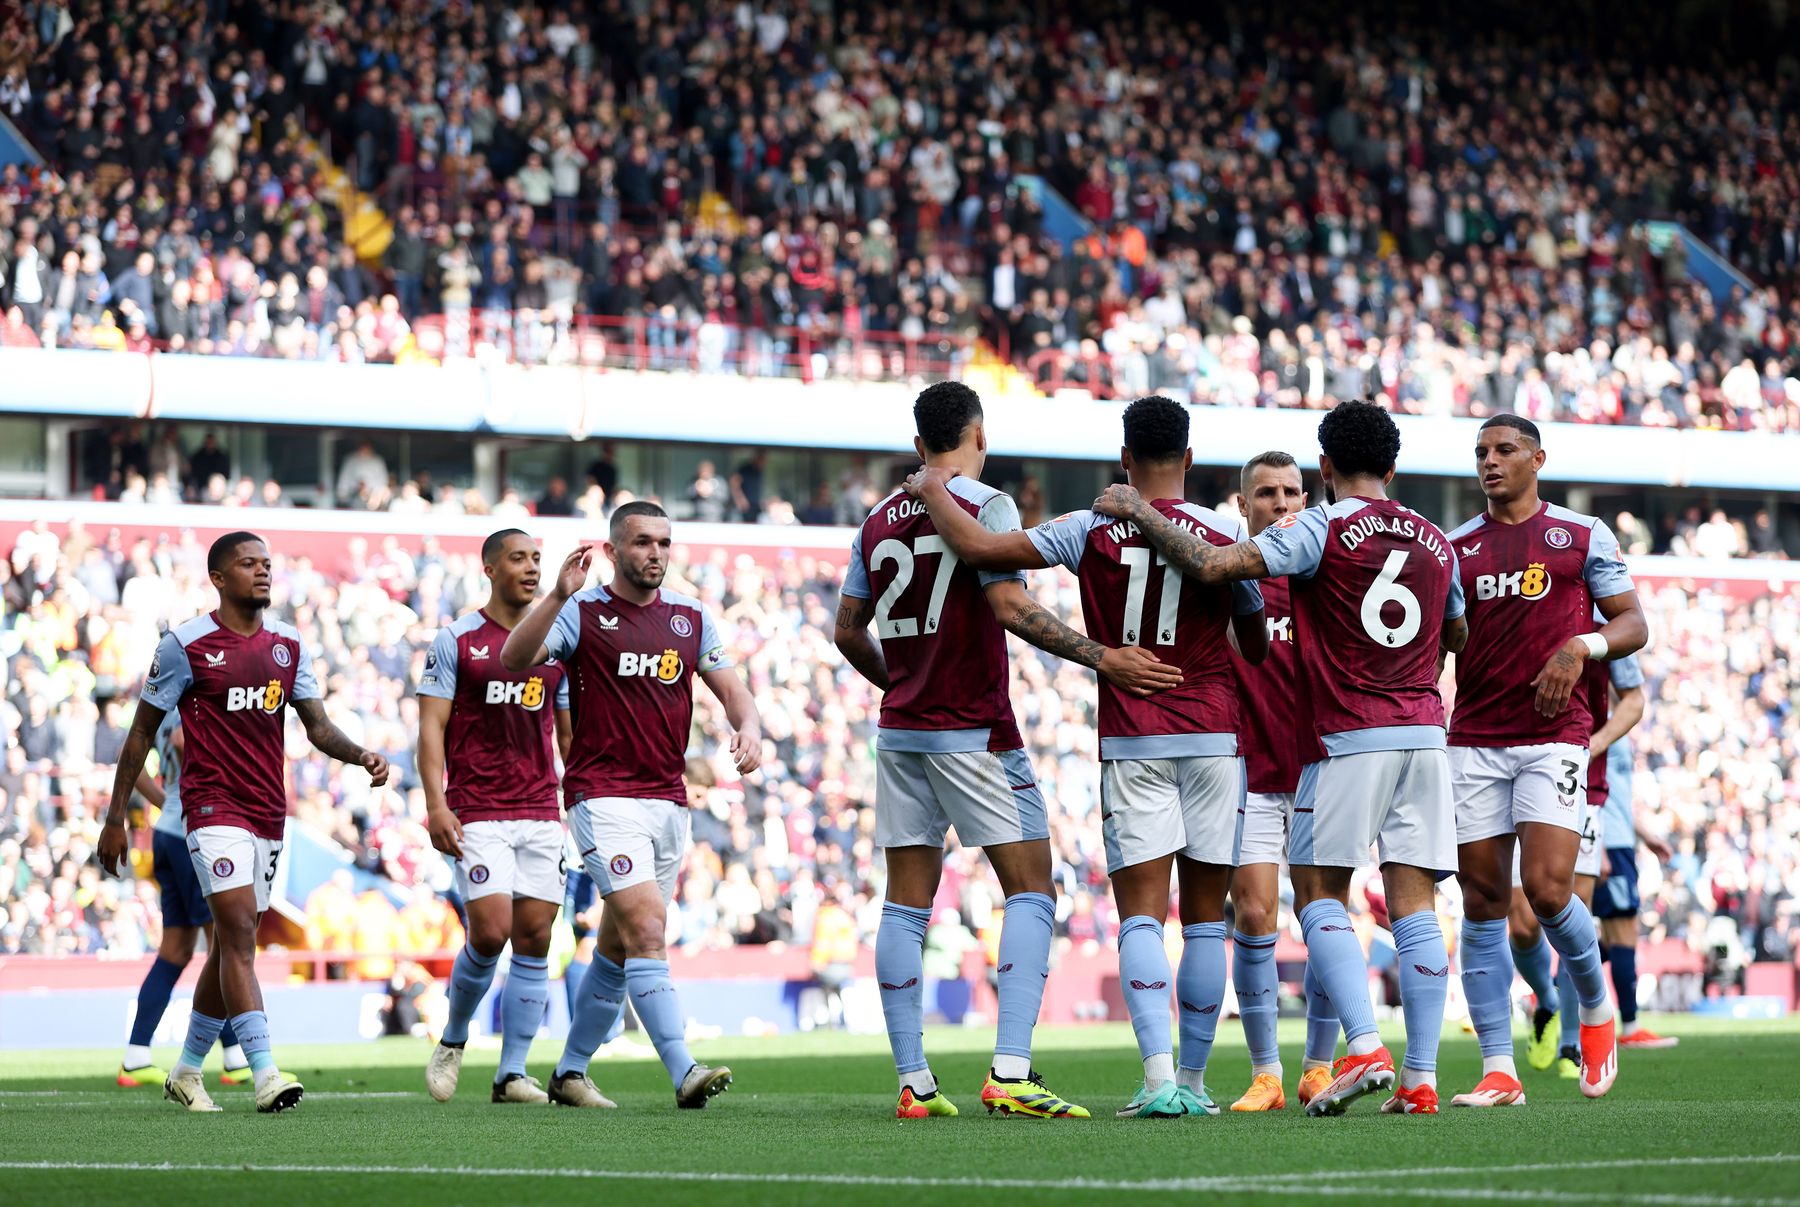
x=1124, y=530
x=1363, y=527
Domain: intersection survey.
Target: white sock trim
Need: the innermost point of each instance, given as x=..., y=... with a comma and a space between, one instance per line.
x=1011, y=1068
x=1273, y=1070
x=136, y=1056
x=1499, y=1064
x=1596, y=1016
x=1362, y=1045
x=920, y=1081
x=1159, y=1069
x=1191, y=1079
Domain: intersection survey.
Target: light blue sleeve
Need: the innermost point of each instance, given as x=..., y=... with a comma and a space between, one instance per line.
x=1605, y=569
x=306, y=685
x=1626, y=673
x=439, y=677
x=170, y=674
x=1295, y=550
x=856, y=573
x=565, y=633
x=1000, y=514
x=1063, y=541
x=1454, y=604
x=713, y=654
x=562, y=691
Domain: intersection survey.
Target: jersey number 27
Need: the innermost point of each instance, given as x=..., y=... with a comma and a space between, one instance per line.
x=905, y=559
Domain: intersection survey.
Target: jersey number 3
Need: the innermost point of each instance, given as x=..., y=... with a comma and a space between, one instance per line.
x=905, y=559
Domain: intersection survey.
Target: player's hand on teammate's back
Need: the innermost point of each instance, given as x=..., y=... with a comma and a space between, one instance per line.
x=573, y=575
x=445, y=831
x=115, y=843
x=746, y=751
x=916, y=481
x=1138, y=671
x=376, y=766
x=1118, y=501
x=1558, y=679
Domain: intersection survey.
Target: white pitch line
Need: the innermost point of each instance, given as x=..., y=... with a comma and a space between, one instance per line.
x=116, y=1098
x=1370, y=1181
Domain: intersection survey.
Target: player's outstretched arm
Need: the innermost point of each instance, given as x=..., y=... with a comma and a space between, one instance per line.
x=150, y=790
x=740, y=713
x=445, y=831
x=1250, y=634
x=333, y=742
x=114, y=841
x=1130, y=667
x=1188, y=552
x=973, y=543
x=1627, y=711
x=525, y=645
x=856, y=643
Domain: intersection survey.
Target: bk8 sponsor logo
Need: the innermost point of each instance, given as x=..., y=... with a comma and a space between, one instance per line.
x=664, y=667
x=262, y=699
x=528, y=695
x=1532, y=583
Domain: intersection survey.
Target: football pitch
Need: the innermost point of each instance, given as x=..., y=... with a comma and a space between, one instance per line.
x=1715, y=1121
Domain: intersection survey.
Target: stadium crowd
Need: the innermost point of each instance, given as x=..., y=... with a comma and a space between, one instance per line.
x=1451, y=218
x=1718, y=767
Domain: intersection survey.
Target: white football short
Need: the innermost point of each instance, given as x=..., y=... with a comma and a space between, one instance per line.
x=1263, y=836
x=1155, y=807
x=1397, y=801
x=1499, y=787
x=625, y=841
x=991, y=797
x=515, y=856
x=228, y=857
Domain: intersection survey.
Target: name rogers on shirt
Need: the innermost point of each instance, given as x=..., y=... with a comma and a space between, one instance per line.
x=905, y=509
x=1363, y=527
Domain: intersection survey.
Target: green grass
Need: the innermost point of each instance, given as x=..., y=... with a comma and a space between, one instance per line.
x=817, y=1110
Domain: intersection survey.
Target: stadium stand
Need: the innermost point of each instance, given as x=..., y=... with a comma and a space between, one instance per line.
x=749, y=188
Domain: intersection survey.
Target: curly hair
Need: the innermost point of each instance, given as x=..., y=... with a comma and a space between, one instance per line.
x=1156, y=429
x=942, y=412
x=1360, y=438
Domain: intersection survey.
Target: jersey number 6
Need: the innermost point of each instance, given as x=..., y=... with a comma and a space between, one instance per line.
x=1387, y=588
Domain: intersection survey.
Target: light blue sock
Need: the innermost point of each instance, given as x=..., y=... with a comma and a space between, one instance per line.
x=1253, y=972
x=1144, y=978
x=1572, y=933
x=572, y=978
x=1534, y=965
x=252, y=1027
x=522, y=1004
x=1337, y=962
x=470, y=977
x=1424, y=980
x=599, y=1005
x=202, y=1032
x=1568, y=1004
x=1200, y=985
x=1487, y=975
x=1321, y=1021
x=659, y=1009
x=1025, y=932
x=900, y=971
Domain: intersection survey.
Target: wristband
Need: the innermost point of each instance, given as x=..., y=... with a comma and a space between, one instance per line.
x=1596, y=645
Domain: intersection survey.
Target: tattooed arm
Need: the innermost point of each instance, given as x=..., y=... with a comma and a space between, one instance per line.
x=1130, y=667
x=332, y=742
x=856, y=643
x=1188, y=552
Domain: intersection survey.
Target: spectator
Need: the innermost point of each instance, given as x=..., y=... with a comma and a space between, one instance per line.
x=555, y=500
x=362, y=477
x=708, y=496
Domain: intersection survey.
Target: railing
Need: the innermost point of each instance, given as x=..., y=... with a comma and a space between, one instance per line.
x=810, y=352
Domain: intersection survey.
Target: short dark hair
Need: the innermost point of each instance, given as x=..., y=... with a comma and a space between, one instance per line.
x=942, y=412
x=222, y=549
x=1519, y=424
x=1156, y=429
x=637, y=507
x=1274, y=459
x=490, y=548
x=1360, y=438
